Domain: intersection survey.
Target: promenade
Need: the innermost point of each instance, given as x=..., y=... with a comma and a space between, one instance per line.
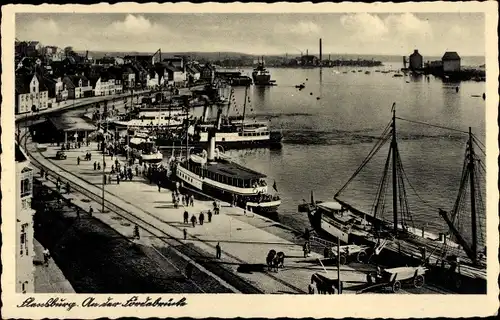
x=70, y=104
x=245, y=240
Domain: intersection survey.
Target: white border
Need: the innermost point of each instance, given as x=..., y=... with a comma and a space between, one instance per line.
x=396, y=306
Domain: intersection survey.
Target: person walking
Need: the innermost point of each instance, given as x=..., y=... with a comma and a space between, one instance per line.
x=193, y=220
x=95, y=165
x=209, y=214
x=202, y=218
x=78, y=160
x=218, y=251
x=109, y=179
x=91, y=211
x=67, y=187
x=117, y=179
x=186, y=216
x=185, y=233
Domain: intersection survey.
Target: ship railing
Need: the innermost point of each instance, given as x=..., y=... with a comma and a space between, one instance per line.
x=321, y=242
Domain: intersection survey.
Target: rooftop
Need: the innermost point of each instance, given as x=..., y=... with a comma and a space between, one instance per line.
x=71, y=124
x=233, y=170
x=450, y=55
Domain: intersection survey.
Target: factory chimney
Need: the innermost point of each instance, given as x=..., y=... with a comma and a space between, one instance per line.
x=320, y=51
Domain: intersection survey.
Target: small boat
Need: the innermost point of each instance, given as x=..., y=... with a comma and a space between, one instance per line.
x=397, y=75
x=367, y=72
x=300, y=86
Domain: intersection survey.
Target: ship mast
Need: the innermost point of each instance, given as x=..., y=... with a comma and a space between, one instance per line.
x=472, y=195
x=394, y=147
x=244, y=109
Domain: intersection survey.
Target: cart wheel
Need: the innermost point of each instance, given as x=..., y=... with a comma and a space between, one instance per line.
x=396, y=286
x=343, y=259
x=419, y=281
x=362, y=257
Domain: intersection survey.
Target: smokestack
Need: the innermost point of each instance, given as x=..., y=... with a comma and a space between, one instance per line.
x=320, y=51
x=211, y=145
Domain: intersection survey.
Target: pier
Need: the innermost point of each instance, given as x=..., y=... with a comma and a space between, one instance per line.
x=245, y=238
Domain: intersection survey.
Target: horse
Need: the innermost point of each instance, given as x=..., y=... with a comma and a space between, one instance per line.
x=275, y=264
x=270, y=258
x=281, y=259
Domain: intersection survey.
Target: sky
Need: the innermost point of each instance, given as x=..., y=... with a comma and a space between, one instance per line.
x=259, y=33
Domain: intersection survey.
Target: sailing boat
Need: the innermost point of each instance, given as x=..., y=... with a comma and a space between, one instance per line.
x=346, y=221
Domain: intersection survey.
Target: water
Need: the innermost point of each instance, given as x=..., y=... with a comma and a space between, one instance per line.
x=326, y=140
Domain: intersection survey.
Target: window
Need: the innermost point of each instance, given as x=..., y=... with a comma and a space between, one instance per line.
x=23, y=240
x=25, y=188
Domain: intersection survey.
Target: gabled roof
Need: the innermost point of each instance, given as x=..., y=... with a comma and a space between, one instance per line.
x=192, y=69
x=23, y=81
x=450, y=55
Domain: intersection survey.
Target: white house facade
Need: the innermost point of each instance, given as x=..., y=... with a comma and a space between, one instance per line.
x=29, y=95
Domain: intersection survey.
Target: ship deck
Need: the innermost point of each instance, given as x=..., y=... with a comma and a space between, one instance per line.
x=233, y=170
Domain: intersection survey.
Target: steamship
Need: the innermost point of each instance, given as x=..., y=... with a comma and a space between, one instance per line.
x=215, y=175
x=261, y=76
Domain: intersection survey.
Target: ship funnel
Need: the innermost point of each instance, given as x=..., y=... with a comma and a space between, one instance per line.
x=211, y=145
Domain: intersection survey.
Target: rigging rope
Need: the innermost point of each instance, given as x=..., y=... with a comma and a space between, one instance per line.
x=382, y=140
x=477, y=140
x=433, y=125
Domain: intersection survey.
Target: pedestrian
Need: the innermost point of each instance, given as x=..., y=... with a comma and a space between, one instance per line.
x=67, y=187
x=191, y=197
x=304, y=248
x=218, y=251
x=159, y=186
x=91, y=210
x=95, y=165
x=193, y=220
x=99, y=166
x=117, y=179
x=136, y=232
x=209, y=216
x=78, y=160
x=216, y=211
x=186, y=216
x=104, y=179
x=185, y=233
x=109, y=179
x=214, y=204
x=202, y=218
x=46, y=256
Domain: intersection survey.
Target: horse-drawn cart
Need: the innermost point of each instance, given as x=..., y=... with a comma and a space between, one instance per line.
x=394, y=278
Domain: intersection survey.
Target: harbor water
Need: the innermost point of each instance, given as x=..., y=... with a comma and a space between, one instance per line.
x=331, y=125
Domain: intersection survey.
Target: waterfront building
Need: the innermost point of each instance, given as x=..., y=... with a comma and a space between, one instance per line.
x=128, y=77
x=176, y=75
x=416, y=60
x=100, y=85
x=57, y=88
x=152, y=79
x=25, y=282
x=451, y=62
x=177, y=62
x=31, y=93
x=78, y=86
x=309, y=61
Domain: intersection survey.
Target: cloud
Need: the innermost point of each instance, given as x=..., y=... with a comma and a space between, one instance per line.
x=364, y=26
x=135, y=25
x=301, y=28
x=400, y=28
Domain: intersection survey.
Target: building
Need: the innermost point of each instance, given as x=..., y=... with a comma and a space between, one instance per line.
x=207, y=73
x=309, y=60
x=193, y=73
x=416, y=60
x=128, y=77
x=63, y=128
x=56, y=88
x=25, y=251
x=176, y=75
x=78, y=86
x=177, y=62
x=152, y=79
x=30, y=93
x=100, y=85
x=451, y=62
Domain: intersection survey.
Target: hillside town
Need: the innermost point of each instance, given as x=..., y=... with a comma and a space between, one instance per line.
x=49, y=75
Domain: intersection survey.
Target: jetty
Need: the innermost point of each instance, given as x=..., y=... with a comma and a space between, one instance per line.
x=245, y=238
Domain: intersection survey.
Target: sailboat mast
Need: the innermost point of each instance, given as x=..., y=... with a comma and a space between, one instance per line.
x=244, y=109
x=472, y=196
x=394, y=177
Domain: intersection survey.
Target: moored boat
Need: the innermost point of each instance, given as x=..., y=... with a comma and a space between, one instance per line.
x=215, y=175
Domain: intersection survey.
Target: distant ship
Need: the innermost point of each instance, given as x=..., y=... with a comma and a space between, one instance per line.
x=261, y=76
